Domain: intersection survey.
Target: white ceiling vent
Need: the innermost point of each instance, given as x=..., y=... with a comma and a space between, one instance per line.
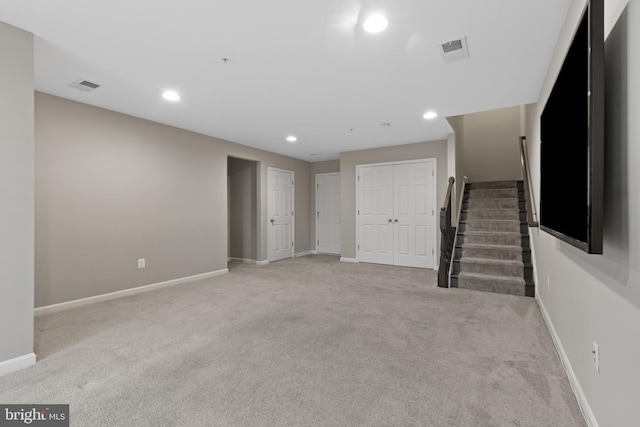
x=84, y=85
x=454, y=49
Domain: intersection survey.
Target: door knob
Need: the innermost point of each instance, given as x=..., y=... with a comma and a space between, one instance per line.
x=273, y=221
x=395, y=220
x=390, y=220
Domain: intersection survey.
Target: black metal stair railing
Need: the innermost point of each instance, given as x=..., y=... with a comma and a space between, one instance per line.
x=532, y=217
x=447, y=239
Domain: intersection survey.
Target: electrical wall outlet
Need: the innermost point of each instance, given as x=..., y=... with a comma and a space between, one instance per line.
x=141, y=263
x=595, y=352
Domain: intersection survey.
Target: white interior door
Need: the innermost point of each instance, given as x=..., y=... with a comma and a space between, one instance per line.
x=375, y=215
x=415, y=215
x=280, y=227
x=328, y=213
x=396, y=214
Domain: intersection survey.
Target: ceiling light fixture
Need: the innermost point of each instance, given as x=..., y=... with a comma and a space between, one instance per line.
x=375, y=23
x=291, y=139
x=430, y=115
x=171, y=95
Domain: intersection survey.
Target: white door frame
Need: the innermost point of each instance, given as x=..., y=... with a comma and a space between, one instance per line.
x=434, y=201
x=293, y=207
x=316, y=207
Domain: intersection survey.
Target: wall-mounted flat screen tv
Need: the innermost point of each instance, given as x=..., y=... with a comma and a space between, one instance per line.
x=572, y=137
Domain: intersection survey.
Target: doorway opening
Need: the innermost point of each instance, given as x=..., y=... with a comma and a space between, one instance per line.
x=328, y=224
x=242, y=215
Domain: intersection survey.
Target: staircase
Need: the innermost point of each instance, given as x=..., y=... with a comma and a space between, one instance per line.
x=492, y=250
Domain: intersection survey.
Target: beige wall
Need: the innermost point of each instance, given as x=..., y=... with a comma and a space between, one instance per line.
x=348, y=162
x=597, y=297
x=457, y=124
x=16, y=195
x=314, y=169
x=111, y=189
x=323, y=167
x=491, y=151
x=243, y=208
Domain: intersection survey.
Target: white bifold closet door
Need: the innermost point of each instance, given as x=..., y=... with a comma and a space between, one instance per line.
x=375, y=214
x=396, y=214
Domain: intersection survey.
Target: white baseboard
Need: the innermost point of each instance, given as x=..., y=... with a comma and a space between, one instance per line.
x=353, y=260
x=314, y=252
x=587, y=413
x=305, y=253
x=17, y=363
x=264, y=262
x=55, y=308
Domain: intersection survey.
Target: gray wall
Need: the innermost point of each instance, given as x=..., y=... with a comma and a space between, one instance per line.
x=491, y=151
x=111, y=188
x=314, y=169
x=348, y=162
x=243, y=208
x=597, y=297
x=16, y=193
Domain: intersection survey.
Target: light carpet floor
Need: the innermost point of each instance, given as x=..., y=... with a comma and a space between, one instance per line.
x=304, y=342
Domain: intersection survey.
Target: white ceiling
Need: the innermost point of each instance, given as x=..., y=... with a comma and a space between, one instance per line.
x=302, y=67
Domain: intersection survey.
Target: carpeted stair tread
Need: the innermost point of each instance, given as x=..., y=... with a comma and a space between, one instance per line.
x=489, y=246
x=492, y=283
x=491, y=233
x=492, y=277
x=491, y=203
x=496, y=210
x=493, y=266
x=496, y=199
x=492, y=185
x=495, y=214
x=499, y=193
x=490, y=209
x=490, y=261
x=491, y=237
x=479, y=220
x=511, y=225
x=493, y=251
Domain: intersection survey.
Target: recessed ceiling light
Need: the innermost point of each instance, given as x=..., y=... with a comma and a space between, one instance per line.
x=291, y=138
x=375, y=23
x=430, y=115
x=171, y=95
